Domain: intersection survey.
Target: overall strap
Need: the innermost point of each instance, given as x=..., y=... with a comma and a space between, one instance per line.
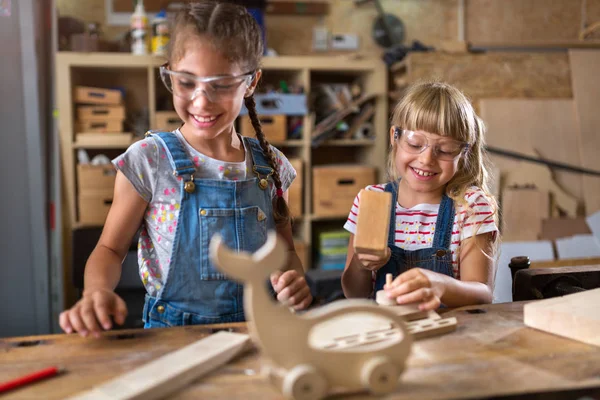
x=444, y=223
x=180, y=160
x=260, y=163
x=392, y=187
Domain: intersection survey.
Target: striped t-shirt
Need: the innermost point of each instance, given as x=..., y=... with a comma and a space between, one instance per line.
x=415, y=227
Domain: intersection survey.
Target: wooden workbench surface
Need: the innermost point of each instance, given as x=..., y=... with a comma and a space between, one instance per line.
x=490, y=354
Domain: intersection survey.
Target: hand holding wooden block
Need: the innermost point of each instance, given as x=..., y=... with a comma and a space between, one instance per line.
x=373, y=223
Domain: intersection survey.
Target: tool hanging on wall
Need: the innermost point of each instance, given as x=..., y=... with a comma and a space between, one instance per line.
x=388, y=30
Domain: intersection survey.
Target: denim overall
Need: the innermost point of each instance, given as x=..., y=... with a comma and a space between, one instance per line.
x=195, y=291
x=438, y=258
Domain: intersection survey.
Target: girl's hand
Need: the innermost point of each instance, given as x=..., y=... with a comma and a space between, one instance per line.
x=371, y=262
x=418, y=286
x=292, y=289
x=92, y=310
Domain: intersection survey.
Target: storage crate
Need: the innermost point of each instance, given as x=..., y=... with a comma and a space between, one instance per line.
x=166, y=121
x=95, y=177
x=100, y=113
x=94, y=206
x=108, y=126
x=279, y=104
x=274, y=127
x=94, y=95
x=336, y=186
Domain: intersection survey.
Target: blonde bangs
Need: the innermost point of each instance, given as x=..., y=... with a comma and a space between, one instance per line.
x=436, y=108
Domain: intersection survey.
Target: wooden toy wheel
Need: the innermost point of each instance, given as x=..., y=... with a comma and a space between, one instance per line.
x=303, y=382
x=379, y=375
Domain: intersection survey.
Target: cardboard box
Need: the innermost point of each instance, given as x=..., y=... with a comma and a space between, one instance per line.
x=167, y=121
x=296, y=192
x=336, y=186
x=273, y=126
x=108, y=126
x=94, y=206
x=94, y=95
x=95, y=177
x=100, y=113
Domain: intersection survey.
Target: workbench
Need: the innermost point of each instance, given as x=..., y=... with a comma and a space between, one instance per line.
x=491, y=354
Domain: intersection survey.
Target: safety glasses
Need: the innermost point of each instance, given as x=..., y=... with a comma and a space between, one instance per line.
x=214, y=88
x=443, y=149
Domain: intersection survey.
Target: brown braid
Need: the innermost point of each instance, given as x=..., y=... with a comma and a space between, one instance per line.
x=281, y=211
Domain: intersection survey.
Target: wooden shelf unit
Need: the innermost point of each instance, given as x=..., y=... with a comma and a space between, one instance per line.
x=81, y=68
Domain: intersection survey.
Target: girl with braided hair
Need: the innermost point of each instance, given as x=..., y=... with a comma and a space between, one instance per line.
x=185, y=186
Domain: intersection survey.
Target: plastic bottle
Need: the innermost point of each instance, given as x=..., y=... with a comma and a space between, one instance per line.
x=139, y=30
x=160, y=34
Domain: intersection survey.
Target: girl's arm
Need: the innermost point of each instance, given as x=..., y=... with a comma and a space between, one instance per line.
x=103, y=268
x=477, y=271
x=285, y=231
x=431, y=288
x=92, y=313
x=290, y=284
x=356, y=279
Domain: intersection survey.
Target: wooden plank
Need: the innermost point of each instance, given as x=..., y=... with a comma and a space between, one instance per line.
x=173, y=371
x=523, y=211
x=574, y=316
x=586, y=92
x=573, y=262
x=546, y=127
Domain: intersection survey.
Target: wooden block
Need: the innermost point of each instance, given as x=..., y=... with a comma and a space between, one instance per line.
x=171, y=372
x=409, y=312
x=574, y=316
x=372, y=225
x=424, y=328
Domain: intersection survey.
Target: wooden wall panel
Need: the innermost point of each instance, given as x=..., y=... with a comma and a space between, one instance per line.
x=547, y=126
x=523, y=20
x=497, y=75
x=586, y=87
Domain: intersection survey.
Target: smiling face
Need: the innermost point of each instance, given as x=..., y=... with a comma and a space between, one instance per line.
x=424, y=173
x=206, y=118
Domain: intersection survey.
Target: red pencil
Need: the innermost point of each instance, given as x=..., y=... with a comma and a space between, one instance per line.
x=29, y=378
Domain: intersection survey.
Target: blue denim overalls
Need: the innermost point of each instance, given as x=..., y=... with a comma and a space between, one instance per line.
x=195, y=292
x=437, y=258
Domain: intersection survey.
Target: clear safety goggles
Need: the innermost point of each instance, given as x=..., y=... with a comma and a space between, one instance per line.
x=214, y=88
x=443, y=148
